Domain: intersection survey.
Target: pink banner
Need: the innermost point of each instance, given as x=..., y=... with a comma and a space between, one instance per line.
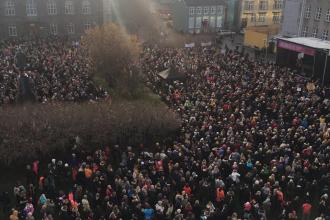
x=296, y=47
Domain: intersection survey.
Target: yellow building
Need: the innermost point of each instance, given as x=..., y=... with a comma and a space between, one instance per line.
x=259, y=36
x=261, y=13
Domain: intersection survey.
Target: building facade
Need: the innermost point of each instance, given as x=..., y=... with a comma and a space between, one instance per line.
x=291, y=18
x=233, y=14
x=27, y=18
x=306, y=18
x=198, y=16
x=261, y=13
x=315, y=19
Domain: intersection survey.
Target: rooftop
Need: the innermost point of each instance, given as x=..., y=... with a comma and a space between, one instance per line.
x=309, y=42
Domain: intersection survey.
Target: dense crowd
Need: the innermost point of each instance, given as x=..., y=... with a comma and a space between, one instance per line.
x=254, y=144
x=45, y=70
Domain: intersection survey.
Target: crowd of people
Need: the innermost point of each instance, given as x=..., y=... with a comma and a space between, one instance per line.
x=254, y=145
x=45, y=70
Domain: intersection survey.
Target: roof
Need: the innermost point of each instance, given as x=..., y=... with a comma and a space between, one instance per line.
x=309, y=42
x=204, y=2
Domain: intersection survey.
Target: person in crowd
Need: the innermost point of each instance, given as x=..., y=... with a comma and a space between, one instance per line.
x=51, y=69
x=254, y=144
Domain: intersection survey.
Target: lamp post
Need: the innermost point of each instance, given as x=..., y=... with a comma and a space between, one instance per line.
x=325, y=65
x=266, y=48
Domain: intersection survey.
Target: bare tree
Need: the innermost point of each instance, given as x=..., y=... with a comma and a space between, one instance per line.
x=114, y=53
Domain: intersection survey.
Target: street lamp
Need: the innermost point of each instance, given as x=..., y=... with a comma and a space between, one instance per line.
x=266, y=47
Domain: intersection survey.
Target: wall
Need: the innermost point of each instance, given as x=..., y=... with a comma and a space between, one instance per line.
x=256, y=36
x=40, y=24
x=179, y=16
x=232, y=14
x=291, y=18
x=254, y=39
x=311, y=23
x=246, y=14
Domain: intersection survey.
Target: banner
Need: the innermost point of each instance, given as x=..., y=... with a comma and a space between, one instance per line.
x=296, y=47
x=191, y=45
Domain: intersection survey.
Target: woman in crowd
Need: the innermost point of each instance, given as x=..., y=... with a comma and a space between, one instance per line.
x=54, y=69
x=254, y=144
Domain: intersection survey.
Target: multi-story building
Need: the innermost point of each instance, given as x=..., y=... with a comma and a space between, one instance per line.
x=306, y=18
x=23, y=18
x=291, y=18
x=315, y=20
x=197, y=16
x=107, y=8
x=233, y=14
x=261, y=13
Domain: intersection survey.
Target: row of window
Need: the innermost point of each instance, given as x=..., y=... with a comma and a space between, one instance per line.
x=249, y=5
x=277, y=17
x=53, y=29
x=31, y=7
x=315, y=33
x=206, y=10
x=318, y=13
x=213, y=22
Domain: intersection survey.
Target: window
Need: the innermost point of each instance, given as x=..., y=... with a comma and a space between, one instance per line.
x=87, y=25
x=305, y=30
x=278, y=4
x=308, y=12
x=68, y=7
x=249, y=5
x=198, y=22
x=318, y=14
x=206, y=10
x=325, y=34
x=219, y=21
x=263, y=5
x=244, y=22
x=199, y=10
x=220, y=10
x=12, y=31
x=191, y=10
x=86, y=7
x=262, y=17
x=10, y=8
x=31, y=8
x=327, y=16
x=191, y=22
x=212, y=21
x=276, y=17
x=70, y=28
x=53, y=29
x=253, y=17
x=51, y=7
x=213, y=10
x=315, y=30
